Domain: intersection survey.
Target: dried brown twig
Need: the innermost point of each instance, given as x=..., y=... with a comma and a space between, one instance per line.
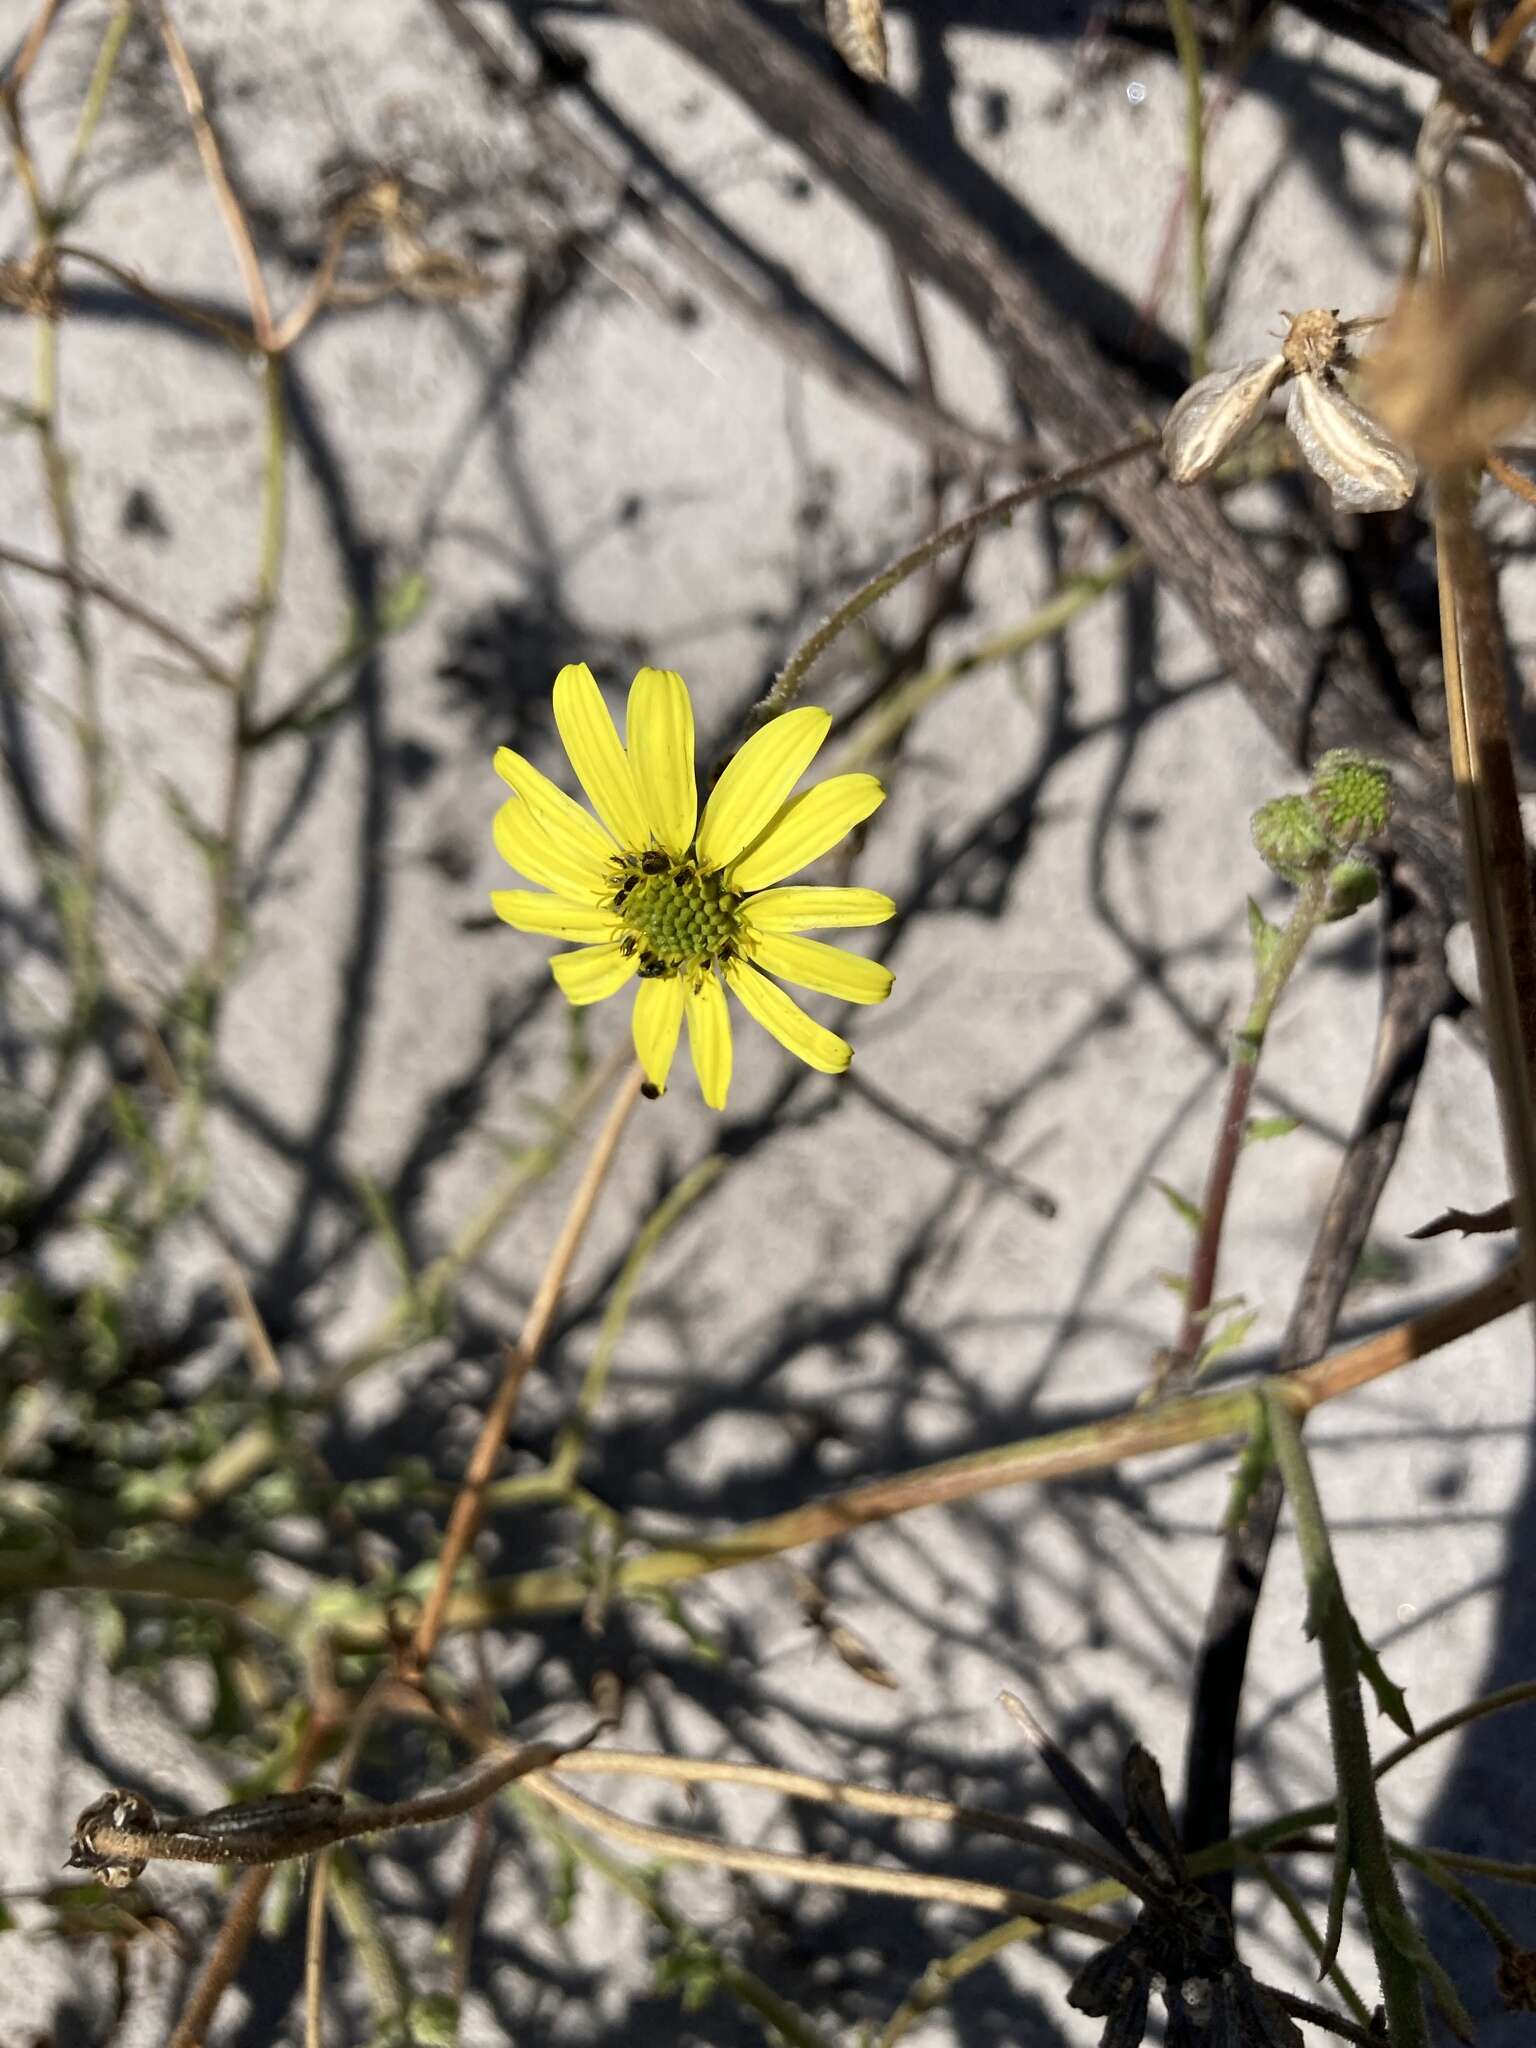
x=469, y=1506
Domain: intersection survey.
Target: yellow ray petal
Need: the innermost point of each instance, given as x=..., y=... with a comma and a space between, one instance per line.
x=657, y=1020
x=602, y=768
x=814, y=910
x=756, y=782
x=709, y=1039
x=783, y=1017
x=660, y=730
x=830, y=970
x=575, y=831
x=526, y=910
x=590, y=973
x=524, y=844
x=805, y=828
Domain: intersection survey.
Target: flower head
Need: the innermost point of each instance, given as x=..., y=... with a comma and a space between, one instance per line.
x=682, y=902
x=1356, y=458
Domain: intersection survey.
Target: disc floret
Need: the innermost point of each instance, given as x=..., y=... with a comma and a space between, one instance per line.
x=677, y=920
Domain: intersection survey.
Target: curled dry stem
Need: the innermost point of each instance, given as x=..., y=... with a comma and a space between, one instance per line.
x=121, y=1832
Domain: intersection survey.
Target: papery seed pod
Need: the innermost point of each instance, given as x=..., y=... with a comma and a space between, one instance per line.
x=1215, y=414
x=857, y=30
x=1359, y=461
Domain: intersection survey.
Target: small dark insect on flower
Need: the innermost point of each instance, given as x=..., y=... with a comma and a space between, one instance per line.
x=1180, y=1944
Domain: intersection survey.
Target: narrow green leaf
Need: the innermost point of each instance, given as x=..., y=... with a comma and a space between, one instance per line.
x=1262, y=1128
x=433, y=2020
x=403, y=602
x=1226, y=1339
x=1390, y=1698
x=1263, y=937
x=1186, y=1210
x=1338, y=1893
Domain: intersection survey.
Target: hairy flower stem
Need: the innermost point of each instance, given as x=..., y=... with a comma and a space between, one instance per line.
x=1186, y=39
x=787, y=684
x=1394, y=1939
x=1247, y=1045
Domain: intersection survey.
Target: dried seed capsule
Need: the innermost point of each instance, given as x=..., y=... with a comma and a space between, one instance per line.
x=1215, y=414
x=1359, y=461
x=1316, y=340
x=857, y=31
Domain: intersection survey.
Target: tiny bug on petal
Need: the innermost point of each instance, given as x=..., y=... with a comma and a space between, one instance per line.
x=1215, y=414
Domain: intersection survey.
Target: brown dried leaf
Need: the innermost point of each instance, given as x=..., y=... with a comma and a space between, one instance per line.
x=1454, y=372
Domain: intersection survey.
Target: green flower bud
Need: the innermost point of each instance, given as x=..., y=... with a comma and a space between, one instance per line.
x=1352, y=796
x=1351, y=886
x=1288, y=836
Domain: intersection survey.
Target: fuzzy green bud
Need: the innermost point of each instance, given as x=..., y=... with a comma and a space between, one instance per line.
x=1288, y=836
x=1351, y=886
x=1352, y=796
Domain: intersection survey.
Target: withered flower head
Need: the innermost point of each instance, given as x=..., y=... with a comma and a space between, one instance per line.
x=1180, y=1945
x=1355, y=457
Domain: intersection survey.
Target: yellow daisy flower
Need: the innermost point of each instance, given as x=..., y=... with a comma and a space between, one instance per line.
x=684, y=903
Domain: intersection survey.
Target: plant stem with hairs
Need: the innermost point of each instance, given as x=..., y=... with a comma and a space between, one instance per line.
x=1274, y=971
x=1394, y=1939
x=790, y=679
x=1186, y=40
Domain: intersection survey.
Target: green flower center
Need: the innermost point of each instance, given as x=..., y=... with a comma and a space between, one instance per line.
x=677, y=919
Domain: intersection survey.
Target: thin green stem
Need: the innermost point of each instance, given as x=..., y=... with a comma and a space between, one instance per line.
x=1479, y=1866
x=56, y=482
x=1275, y=968
x=941, y=1976
x=784, y=2022
x=127, y=607
x=573, y=1438
x=1435, y=1866
x=263, y=611
x=1301, y=1919
x=1186, y=41
x=252, y=1449
x=877, y=733
x=92, y=105
x=1394, y=1939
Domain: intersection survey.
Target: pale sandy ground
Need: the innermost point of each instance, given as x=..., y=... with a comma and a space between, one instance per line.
x=683, y=493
